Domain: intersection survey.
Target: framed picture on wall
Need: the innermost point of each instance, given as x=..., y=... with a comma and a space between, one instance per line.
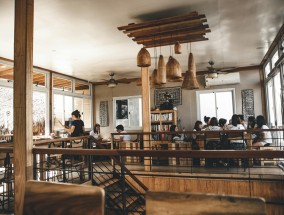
x=161, y=95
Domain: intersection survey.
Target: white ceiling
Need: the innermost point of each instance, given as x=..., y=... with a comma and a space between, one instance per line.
x=80, y=37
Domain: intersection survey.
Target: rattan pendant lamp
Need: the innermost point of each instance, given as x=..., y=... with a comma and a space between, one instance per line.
x=173, y=69
x=189, y=81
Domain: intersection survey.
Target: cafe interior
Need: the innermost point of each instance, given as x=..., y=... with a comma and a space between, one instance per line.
x=157, y=69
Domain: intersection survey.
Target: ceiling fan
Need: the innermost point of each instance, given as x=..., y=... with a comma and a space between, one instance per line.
x=111, y=83
x=212, y=72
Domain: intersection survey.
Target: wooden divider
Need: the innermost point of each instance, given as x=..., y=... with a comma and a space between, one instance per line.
x=271, y=191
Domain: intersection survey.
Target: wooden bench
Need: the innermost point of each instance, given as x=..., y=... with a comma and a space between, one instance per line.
x=47, y=198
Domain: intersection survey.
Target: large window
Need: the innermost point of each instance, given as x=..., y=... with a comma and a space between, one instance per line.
x=128, y=112
x=70, y=95
x=6, y=109
x=217, y=103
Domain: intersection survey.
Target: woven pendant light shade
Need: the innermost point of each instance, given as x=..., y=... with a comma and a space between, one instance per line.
x=173, y=70
x=154, y=78
x=143, y=58
x=177, y=48
x=161, y=73
x=190, y=82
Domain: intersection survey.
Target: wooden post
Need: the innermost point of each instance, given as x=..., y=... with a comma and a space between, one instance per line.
x=50, y=102
x=146, y=122
x=94, y=103
x=23, y=56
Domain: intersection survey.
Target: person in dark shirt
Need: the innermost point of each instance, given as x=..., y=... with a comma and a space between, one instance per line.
x=77, y=126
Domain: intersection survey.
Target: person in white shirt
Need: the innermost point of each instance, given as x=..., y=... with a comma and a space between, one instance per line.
x=123, y=137
x=96, y=135
x=264, y=138
x=213, y=125
x=236, y=125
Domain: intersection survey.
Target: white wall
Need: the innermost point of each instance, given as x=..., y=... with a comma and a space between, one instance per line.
x=187, y=112
x=103, y=93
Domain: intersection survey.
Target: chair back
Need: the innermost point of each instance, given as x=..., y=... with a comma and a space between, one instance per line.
x=47, y=198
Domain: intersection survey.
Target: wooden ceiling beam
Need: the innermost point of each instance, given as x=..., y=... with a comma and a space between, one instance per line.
x=170, y=36
x=7, y=71
x=167, y=26
x=173, y=30
x=132, y=26
x=173, y=41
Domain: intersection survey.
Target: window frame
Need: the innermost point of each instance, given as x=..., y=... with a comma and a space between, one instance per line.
x=198, y=92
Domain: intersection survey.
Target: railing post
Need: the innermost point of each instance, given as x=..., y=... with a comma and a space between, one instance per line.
x=90, y=160
x=123, y=185
x=63, y=168
x=34, y=166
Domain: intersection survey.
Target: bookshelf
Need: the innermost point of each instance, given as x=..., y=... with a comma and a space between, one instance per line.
x=161, y=121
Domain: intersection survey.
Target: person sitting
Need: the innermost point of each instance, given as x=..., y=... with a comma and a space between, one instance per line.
x=236, y=125
x=123, y=137
x=176, y=137
x=223, y=124
x=207, y=122
x=213, y=125
x=242, y=120
x=197, y=127
x=96, y=136
x=263, y=138
x=251, y=122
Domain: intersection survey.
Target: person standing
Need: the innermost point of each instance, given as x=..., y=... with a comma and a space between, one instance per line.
x=77, y=126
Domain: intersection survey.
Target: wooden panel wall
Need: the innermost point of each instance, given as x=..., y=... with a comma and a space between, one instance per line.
x=272, y=192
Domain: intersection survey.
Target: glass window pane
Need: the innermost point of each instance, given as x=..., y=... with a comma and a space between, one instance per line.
x=207, y=105
x=278, y=103
x=6, y=109
x=224, y=109
x=58, y=112
x=267, y=69
x=39, y=113
x=68, y=108
x=62, y=84
x=81, y=88
x=6, y=72
x=39, y=79
x=87, y=115
x=270, y=103
x=135, y=113
x=274, y=59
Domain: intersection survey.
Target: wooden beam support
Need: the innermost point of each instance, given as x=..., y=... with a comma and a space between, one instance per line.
x=172, y=35
x=146, y=113
x=159, y=22
x=191, y=40
x=94, y=103
x=170, y=25
x=23, y=55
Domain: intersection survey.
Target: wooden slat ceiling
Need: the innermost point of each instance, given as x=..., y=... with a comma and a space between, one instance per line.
x=162, y=32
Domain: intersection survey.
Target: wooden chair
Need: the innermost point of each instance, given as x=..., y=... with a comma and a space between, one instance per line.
x=130, y=146
x=47, y=198
x=172, y=203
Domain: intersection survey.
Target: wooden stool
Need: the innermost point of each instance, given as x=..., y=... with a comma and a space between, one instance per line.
x=130, y=146
x=173, y=160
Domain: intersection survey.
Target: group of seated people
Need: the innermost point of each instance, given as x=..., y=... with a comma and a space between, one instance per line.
x=260, y=138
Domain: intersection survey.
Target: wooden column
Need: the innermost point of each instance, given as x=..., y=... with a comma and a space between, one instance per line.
x=23, y=56
x=50, y=102
x=94, y=103
x=146, y=120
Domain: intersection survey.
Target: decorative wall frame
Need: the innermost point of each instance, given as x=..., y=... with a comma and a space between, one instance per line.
x=104, y=121
x=174, y=92
x=247, y=103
